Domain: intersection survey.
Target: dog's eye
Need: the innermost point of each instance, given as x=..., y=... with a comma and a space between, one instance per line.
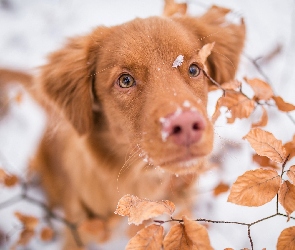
x=126, y=81
x=193, y=70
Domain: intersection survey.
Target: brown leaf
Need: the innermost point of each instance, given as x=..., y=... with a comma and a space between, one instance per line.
x=265, y=144
x=10, y=180
x=287, y=197
x=139, y=210
x=25, y=237
x=238, y=104
x=255, y=188
x=290, y=148
x=46, y=234
x=264, y=161
x=282, y=105
x=149, y=238
x=232, y=85
x=172, y=8
x=286, y=239
x=29, y=222
x=261, y=89
x=205, y=51
x=94, y=227
x=291, y=174
x=220, y=188
x=187, y=236
x=263, y=119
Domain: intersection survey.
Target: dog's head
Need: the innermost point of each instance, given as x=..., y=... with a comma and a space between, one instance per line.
x=143, y=82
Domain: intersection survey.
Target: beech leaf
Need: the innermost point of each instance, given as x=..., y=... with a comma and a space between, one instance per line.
x=290, y=148
x=282, y=105
x=187, y=236
x=148, y=238
x=287, y=197
x=262, y=90
x=265, y=144
x=263, y=119
x=205, y=51
x=264, y=161
x=255, y=188
x=231, y=85
x=291, y=174
x=46, y=234
x=286, y=239
x=139, y=210
x=220, y=188
x=29, y=222
x=171, y=8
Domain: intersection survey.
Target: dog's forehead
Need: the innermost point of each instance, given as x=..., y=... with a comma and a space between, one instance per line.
x=146, y=40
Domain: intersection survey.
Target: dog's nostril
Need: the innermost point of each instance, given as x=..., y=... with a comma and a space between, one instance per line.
x=196, y=126
x=176, y=130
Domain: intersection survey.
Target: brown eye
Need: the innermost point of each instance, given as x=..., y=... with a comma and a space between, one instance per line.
x=126, y=81
x=193, y=70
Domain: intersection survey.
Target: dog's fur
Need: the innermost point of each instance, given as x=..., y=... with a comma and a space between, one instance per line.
x=103, y=141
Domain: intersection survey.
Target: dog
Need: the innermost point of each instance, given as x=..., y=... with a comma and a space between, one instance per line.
x=127, y=111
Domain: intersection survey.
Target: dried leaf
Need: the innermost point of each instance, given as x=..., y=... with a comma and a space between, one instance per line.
x=25, y=236
x=172, y=8
x=94, y=227
x=29, y=222
x=290, y=148
x=46, y=234
x=205, y=51
x=287, y=239
x=264, y=161
x=187, y=236
x=261, y=89
x=10, y=180
x=263, y=119
x=287, y=197
x=255, y=188
x=291, y=174
x=220, y=188
x=232, y=85
x=150, y=238
x=265, y=144
x=238, y=104
x=282, y=105
x=139, y=210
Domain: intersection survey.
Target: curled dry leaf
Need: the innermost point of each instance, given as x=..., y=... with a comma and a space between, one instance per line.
x=150, y=237
x=291, y=174
x=25, y=236
x=187, y=236
x=220, y=188
x=290, y=148
x=255, y=188
x=10, y=180
x=282, y=105
x=139, y=210
x=238, y=104
x=205, y=51
x=232, y=85
x=263, y=119
x=46, y=234
x=171, y=8
x=287, y=197
x=29, y=222
x=286, y=239
x=265, y=144
x=261, y=89
x=264, y=161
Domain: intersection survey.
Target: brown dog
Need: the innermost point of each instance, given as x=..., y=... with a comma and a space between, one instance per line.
x=127, y=103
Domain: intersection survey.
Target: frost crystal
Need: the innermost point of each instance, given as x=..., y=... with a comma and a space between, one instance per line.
x=178, y=61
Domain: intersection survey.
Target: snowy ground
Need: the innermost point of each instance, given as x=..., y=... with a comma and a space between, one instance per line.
x=30, y=29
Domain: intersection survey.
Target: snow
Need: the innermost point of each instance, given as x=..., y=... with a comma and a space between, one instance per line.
x=30, y=29
x=178, y=61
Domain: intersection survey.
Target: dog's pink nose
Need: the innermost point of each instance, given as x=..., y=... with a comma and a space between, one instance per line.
x=184, y=129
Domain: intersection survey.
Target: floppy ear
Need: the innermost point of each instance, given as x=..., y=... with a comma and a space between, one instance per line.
x=68, y=77
x=229, y=41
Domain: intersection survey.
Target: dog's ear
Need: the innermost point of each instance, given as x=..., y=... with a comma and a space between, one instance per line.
x=68, y=77
x=228, y=37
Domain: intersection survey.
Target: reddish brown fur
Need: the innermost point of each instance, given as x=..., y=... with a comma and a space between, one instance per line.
x=100, y=124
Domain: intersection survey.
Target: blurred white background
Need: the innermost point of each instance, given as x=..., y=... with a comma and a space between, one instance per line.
x=30, y=29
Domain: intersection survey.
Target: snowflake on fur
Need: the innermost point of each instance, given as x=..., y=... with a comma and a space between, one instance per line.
x=178, y=61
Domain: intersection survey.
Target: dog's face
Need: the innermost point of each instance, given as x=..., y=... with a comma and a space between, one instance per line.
x=145, y=82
